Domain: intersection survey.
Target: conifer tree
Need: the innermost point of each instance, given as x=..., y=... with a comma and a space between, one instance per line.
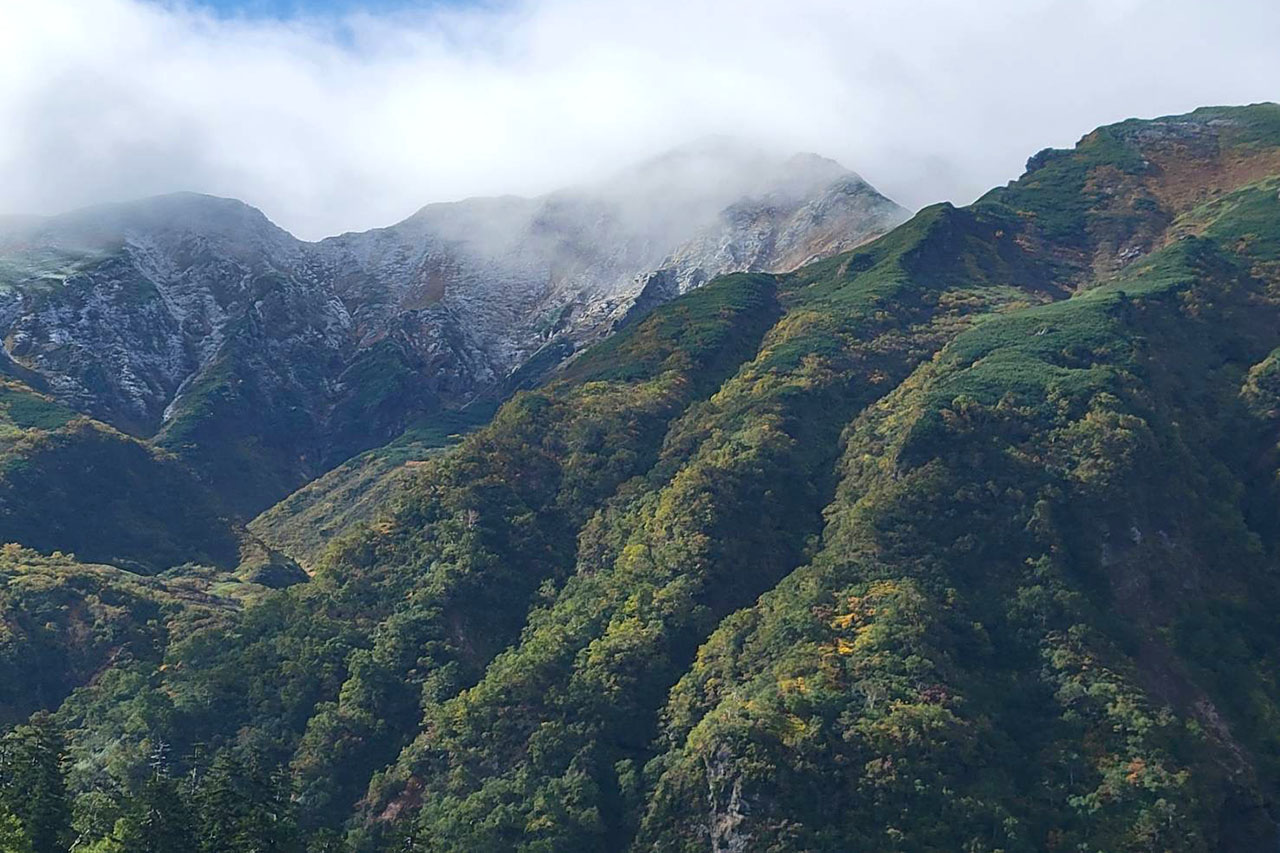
x=32, y=788
x=243, y=807
x=160, y=819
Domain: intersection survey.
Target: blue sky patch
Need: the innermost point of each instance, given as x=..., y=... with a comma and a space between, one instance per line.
x=297, y=8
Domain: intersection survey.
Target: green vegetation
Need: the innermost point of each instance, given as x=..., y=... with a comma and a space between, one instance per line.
x=303, y=524
x=966, y=540
x=32, y=788
x=71, y=483
x=39, y=272
x=63, y=621
x=228, y=805
x=23, y=409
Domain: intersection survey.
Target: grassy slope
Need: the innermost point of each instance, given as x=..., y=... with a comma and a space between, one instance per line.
x=304, y=524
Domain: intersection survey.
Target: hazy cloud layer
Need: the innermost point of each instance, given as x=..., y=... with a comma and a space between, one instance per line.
x=330, y=125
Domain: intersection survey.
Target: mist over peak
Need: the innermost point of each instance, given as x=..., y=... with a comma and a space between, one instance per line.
x=342, y=122
x=677, y=191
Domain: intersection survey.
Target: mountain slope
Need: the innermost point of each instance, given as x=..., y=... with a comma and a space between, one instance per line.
x=71, y=483
x=64, y=622
x=965, y=539
x=304, y=524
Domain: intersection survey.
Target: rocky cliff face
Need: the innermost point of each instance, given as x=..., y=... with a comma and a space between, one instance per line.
x=264, y=360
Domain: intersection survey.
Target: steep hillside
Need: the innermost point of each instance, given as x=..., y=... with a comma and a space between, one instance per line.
x=965, y=539
x=71, y=483
x=63, y=622
x=304, y=524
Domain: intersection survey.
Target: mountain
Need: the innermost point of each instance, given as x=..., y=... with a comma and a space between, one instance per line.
x=262, y=361
x=966, y=538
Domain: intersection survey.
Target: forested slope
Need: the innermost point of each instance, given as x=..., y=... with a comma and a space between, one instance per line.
x=965, y=540
x=71, y=483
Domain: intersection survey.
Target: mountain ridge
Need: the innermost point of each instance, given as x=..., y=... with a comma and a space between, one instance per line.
x=189, y=318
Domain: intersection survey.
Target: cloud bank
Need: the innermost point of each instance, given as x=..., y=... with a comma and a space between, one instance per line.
x=331, y=124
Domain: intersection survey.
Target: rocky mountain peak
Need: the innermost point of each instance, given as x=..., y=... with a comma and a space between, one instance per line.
x=196, y=320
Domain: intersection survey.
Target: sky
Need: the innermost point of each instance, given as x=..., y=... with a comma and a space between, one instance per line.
x=285, y=9
x=334, y=115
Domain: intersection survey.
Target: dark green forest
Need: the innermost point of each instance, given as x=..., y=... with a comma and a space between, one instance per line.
x=966, y=540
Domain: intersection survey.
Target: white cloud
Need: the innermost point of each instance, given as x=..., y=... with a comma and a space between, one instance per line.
x=330, y=125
